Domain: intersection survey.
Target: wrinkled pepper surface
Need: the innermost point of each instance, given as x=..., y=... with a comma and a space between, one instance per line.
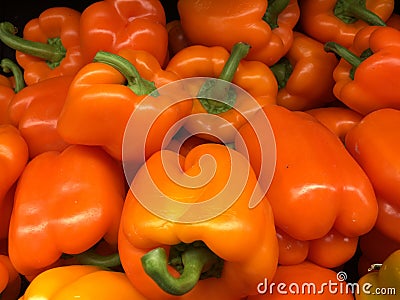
x=340, y=20
x=366, y=75
x=111, y=25
x=77, y=204
x=50, y=46
x=83, y=282
x=383, y=281
x=267, y=26
x=317, y=185
x=230, y=250
x=105, y=93
x=330, y=251
x=374, y=144
x=254, y=77
x=304, y=74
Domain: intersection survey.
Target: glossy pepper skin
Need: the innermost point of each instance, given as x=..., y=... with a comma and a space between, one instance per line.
x=9, y=86
x=76, y=205
x=243, y=238
x=340, y=20
x=254, y=77
x=329, y=251
x=317, y=185
x=367, y=83
x=112, y=25
x=13, y=157
x=50, y=46
x=373, y=143
x=10, y=280
x=35, y=111
x=382, y=283
x=339, y=120
x=83, y=282
x=267, y=26
x=106, y=98
x=304, y=74
x=310, y=278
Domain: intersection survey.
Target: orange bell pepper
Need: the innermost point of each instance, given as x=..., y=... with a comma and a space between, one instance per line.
x=364, y=75
x=373, y=143
x=35, y=111
x=10, y=280
x=304, y=74
x=330, y=251
x=105, y=93
x=78, y=205
x=340, y=20
x=83, y=282
x=9, y=86
x=253, y=77
x=317, y=185
x=304, y=281
x=204, y=223
x=13, y=157
x=267, y=26
x=38, y=125
x=111, y=25
x=50, y=46
x=339, y=120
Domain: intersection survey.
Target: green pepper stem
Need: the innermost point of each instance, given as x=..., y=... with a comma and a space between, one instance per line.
x=90, y=257
x=216, y=96
x=9, y=66
x=53, y=52
x=275, y=7
x=194, y=260
x=238, y=52
x=282, y=71
x=344, y=53
x=139, y=85
x=350, y=11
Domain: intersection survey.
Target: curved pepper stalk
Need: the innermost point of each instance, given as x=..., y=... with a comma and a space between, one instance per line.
x=213, y=91
x=193, y=261
x=53, y=52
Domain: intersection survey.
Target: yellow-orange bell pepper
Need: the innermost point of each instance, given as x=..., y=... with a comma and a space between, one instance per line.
x=81, y=282
x=208, y=226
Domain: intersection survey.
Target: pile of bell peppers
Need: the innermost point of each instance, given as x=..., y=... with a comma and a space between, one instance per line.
x=74, y=223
